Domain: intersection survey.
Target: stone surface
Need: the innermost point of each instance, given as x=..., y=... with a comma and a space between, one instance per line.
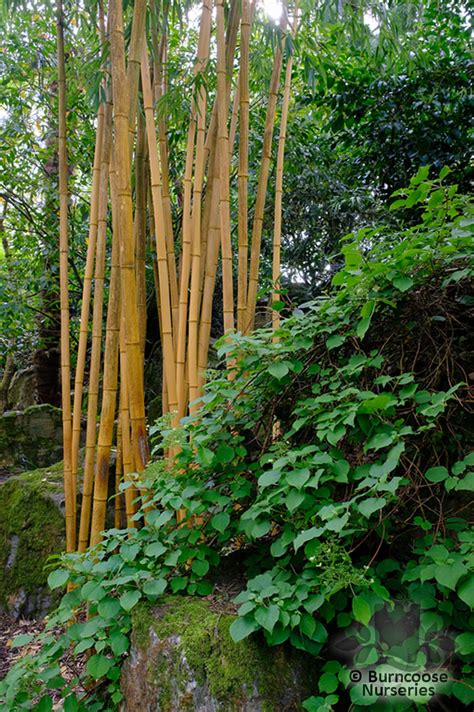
x=30, y=438
x=22, y=392
x=31, y=529
x=182, y=659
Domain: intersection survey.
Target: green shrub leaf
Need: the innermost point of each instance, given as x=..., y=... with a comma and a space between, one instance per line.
x=108, y=607
x=361, y=610
x=242, y=627
x=154, y=588
x=220, y=521
x=58, y=578
x=98, y=665
x=436, y=474
x=465, y=591
x=370, y=505
x=130, y=599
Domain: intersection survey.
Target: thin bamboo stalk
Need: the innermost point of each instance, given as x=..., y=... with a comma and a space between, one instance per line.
x=154, y=257
x=206, y=215
x=164, y=292
x=185, y=269
x=139, y=229
x=212, y=255
x=101, y=23
x=69, y=489
x=118, y=510
x=262, y=190
x=223, y=151
x=124, y=419
x=164, y=393
x=211, y=137
x=95, y=362
x=234, y=119
x=164, y=64
x=230, y=42
x=121, y=96
x=185, y=265
x=109, y=385
x=243, y=239
x=171, y=257
x=133, y=65
x=210, y=146
x=86, y=295
x=209, y=157
x=276, y=266
x=194, y=303
x=159, y=89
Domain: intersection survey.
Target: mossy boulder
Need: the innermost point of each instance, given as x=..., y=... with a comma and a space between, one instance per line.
x=30, y=438
x=183, y=659
x=31, y=529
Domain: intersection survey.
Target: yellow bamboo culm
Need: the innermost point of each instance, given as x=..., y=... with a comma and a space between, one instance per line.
x=234, y=120
x=139, y=230
x=210, y=218
x=133, y=66
x=86, y=297
x=96, y=341
x=124, y=111
x=230, y=44
x=161, y=248
x=118, y=508
x=213, y=244
x=211, y=231
x=262, y=190
x=159, y=90
x=185, y=264
x=110, y=379
x=210, y=155
x=185, y=269
x=69, y=489
x=124, y=420
x=223, y=151
x=128, y=141
x=276, y=265
x=121, y=95
x=206, y=214
x=154, y=255
x=243, y=238
x=196, y=243
x=245, y=26
x=95, y=360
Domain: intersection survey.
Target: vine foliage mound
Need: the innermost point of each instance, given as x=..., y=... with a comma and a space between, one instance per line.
x=334, y=470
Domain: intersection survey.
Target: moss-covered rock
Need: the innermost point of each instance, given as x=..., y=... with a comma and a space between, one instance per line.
x=183, y=658
x=31, y=529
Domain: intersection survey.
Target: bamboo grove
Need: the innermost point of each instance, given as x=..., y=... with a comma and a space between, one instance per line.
x=131, y=190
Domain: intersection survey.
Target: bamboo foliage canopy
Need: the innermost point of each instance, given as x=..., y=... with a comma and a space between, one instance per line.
x=175, y=212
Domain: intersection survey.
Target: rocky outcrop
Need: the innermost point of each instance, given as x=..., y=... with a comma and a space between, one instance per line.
x=30, y=438
x=183, y=659
x=31, y=529
x=22, y=392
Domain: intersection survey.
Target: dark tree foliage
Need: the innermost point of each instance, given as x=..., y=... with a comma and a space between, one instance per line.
x=370, y=107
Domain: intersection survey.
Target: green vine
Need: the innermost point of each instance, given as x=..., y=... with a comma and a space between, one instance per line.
x=334, y=467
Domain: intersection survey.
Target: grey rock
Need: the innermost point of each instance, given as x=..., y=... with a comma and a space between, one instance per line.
x=182, y=658
x=31, y=438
